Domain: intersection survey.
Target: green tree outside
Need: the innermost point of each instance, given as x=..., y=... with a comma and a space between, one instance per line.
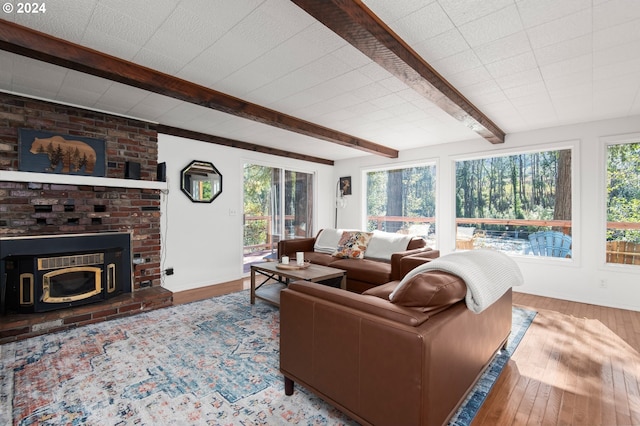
x=623, y=190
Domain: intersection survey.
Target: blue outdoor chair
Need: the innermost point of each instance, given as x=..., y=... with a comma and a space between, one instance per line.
x=550, y=243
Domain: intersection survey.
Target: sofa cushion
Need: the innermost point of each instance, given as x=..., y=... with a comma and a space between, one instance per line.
x=352, y=244
x=370, y=271
x=382, y=291
x=430, y=291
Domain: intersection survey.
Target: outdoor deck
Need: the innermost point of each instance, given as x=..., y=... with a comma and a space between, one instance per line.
x=256, y=257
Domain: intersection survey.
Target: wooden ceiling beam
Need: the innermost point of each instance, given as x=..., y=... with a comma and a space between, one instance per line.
x=204, y=137
x=359, y=26
x=33, y=44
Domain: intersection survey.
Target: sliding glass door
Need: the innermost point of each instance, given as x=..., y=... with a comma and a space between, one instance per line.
x=278, y=204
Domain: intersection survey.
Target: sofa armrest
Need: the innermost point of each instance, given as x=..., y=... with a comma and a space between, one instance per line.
x=396, y=268
x=408, y=263
x=291, y=246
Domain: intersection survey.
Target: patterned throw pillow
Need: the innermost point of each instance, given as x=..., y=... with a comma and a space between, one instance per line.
x=353, y=244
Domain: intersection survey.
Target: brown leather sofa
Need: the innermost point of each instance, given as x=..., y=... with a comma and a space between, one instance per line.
x=362, y=274
x=410, y=362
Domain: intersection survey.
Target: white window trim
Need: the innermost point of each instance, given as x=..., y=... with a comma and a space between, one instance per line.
x=605, y=142
x=400, y=165
x=576, y=227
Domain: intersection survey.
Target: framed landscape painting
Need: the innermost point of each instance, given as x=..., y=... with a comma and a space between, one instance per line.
x=47, y=152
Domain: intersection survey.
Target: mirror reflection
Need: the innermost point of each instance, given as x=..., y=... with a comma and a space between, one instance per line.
x=201, y=181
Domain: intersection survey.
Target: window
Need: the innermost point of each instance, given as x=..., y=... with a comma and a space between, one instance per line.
x=518, y=204
x=278, y=204
x=402, y=200
x=623, y=203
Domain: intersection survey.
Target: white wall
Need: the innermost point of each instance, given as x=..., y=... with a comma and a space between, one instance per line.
x=578, y=279
x=202, y=241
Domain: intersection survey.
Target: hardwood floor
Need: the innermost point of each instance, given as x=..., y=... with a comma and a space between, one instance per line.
x=201, y=293
x=578, y=364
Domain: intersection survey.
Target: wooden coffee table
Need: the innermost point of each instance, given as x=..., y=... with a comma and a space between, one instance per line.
x=282, y=277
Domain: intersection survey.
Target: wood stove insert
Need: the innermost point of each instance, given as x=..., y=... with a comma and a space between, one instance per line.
x=44, y=273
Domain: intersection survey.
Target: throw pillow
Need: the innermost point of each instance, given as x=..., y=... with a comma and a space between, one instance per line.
x=384, y=244
x=352, y=244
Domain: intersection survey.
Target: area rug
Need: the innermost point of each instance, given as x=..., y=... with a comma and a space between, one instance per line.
x=212, y=362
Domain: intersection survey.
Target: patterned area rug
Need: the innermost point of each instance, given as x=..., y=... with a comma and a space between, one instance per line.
x=213, y=362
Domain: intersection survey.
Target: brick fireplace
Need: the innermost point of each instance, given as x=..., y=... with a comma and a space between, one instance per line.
x=61, y=206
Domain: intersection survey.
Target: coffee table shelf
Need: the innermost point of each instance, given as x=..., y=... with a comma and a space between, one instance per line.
x=270, y=292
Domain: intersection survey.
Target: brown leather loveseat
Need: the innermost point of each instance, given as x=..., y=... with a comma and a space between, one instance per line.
x=362, y=274
x=407, y=362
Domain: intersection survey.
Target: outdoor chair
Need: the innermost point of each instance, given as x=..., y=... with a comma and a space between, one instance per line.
x=465, y=237
x=550, y=243
x=421, y=230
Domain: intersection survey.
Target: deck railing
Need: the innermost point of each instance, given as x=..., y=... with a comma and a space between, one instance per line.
x=617, y=251
x=621, y=252
x=271, y=239
x=565, y=224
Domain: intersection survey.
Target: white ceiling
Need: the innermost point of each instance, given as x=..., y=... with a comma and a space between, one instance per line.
x=526, y=64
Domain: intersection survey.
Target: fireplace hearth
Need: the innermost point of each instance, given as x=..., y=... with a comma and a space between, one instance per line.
x=45, y=273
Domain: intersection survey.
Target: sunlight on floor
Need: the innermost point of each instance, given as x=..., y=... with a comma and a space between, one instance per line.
x=578, y=366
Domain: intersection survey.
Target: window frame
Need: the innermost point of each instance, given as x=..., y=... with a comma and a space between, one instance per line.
x=576, y=160
x=605, y=143
x=402, y=165
x=283, y=167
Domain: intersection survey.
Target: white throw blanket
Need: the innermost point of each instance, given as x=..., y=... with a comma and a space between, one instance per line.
x=488, y=275
x=327, y=240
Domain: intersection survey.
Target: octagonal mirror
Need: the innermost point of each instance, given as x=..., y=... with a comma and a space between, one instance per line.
x=201, y=181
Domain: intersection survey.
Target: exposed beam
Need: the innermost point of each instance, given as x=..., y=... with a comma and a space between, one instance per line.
x=204, y=137
x=359, y=26
x=33, y=44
